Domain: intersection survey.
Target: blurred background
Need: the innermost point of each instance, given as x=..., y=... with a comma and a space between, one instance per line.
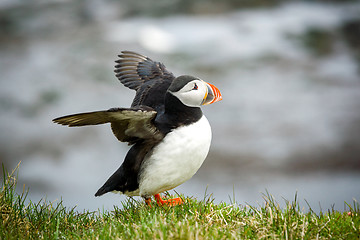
x=289, y=73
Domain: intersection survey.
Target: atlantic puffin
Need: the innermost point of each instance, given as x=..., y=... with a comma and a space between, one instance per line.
x=168, y=133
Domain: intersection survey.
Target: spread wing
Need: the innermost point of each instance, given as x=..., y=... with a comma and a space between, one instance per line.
x=133, y=70
x=127, y=124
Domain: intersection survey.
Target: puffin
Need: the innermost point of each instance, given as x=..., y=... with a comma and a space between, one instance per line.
x=168, y=133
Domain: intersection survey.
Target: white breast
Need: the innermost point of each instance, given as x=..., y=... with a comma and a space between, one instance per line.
x=176, y=159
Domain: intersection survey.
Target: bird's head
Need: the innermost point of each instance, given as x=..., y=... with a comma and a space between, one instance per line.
x=194, y=92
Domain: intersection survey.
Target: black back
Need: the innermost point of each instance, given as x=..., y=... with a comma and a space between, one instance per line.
x=151, y=81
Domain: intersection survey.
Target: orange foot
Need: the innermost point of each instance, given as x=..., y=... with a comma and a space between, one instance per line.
x=169, y=202
x=148, y=201
x=160, y=201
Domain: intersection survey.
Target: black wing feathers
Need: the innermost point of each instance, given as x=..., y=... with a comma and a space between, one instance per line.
x=135, y=125
x=127, y=124
x=134, y=69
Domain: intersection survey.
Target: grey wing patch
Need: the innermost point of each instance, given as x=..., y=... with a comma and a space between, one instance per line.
x=131, y=125
x=134, y=69
x=127, y=124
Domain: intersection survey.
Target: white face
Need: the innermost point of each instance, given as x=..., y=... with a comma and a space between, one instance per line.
x=193, y=93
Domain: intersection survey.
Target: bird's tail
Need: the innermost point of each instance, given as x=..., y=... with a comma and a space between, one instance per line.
x=104, y=189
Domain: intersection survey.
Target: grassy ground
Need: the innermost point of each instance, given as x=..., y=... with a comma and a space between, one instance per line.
x=196, y=219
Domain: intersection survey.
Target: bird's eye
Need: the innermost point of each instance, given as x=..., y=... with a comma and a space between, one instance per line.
x=195, y=87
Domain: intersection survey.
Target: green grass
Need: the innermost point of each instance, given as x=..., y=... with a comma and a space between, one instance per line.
x=196, y=219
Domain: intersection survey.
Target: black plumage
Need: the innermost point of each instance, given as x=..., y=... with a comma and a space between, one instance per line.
x=154, y=112
x=150, y=79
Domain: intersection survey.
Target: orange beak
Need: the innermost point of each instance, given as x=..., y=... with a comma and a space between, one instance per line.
x=212, y=95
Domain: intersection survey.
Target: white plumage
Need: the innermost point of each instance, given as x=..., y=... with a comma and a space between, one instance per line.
x=176, y=159
x=170, y=135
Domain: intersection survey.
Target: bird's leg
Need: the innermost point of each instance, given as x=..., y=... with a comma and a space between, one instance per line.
x=169, y=202
x=148, y=201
